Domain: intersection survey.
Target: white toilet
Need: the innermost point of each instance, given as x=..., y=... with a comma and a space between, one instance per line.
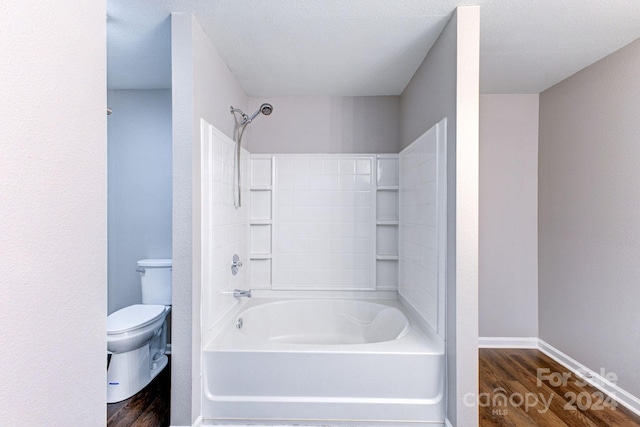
x=137, y=334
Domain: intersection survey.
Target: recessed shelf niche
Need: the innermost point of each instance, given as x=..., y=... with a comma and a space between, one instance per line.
x=261, y=217
x=387, y=221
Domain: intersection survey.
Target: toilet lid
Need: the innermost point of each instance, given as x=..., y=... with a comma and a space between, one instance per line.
x=132, y=317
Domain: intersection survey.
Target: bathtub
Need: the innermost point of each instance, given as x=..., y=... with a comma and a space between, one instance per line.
x=323, y=361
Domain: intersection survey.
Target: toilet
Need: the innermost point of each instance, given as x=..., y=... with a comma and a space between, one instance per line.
x=137, y=334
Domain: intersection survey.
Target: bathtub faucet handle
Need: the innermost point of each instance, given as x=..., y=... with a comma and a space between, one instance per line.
x=235, y=264
x=239, y=293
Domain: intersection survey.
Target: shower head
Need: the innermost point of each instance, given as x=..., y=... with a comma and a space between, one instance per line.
x=266, y=109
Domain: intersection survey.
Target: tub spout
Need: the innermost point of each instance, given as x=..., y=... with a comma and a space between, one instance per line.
x=239, y=293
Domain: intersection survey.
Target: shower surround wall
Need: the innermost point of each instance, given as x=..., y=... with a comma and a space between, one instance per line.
x=423, y=226
x=307, y=223
x=324, y=222
x=225, y=229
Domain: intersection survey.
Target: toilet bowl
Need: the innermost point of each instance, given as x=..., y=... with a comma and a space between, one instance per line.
x=137, y=334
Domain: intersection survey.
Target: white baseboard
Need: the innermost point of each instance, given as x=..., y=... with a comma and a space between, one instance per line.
x=593, y=378
x=508, y=342
x=447, y=423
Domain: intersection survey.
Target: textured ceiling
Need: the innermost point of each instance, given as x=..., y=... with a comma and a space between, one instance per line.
x=366, y=47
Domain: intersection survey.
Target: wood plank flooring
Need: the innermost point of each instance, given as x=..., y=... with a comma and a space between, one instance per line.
x=149, y=408
x=513, y=392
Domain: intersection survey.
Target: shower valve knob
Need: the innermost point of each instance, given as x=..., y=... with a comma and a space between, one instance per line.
x=236, y=263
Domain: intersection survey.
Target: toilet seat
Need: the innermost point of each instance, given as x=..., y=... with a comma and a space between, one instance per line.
x=133, y=317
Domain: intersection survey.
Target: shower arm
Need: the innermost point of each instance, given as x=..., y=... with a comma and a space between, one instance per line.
x=245, y=118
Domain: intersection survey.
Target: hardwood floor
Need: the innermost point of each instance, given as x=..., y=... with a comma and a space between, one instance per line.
x=149, y=408
x=517, y=390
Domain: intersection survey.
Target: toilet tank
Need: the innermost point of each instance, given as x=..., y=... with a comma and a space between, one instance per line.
x=155, y=278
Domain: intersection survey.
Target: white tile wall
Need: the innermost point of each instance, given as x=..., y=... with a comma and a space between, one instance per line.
x=423, y=225
x=225, y=230
x=323, y=234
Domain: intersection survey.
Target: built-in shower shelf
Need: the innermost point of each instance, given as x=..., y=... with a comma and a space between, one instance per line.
x=387, y=221
x=260, y=188
x=386, y=287
x=260, y=222
x=260, y=256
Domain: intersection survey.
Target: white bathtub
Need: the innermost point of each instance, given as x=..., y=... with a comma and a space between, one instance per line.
x=324, y=361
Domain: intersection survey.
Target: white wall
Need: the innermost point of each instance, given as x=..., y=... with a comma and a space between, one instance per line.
x=589, y=205
x=364, y=124
x=447, y=85
x=508, y=269
x=53, y=213
x=139, y=195
x=202, y=87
